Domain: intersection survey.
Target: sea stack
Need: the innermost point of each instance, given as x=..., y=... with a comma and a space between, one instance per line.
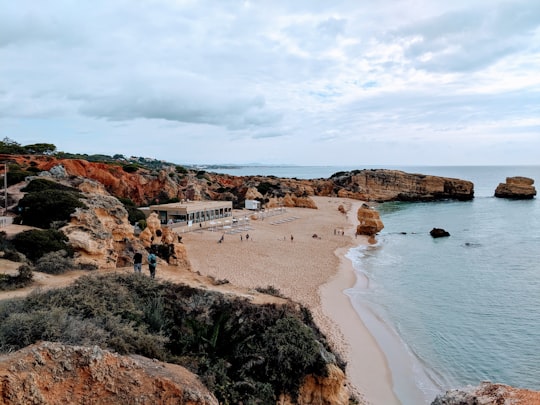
x=370, y=221
x=516, y=188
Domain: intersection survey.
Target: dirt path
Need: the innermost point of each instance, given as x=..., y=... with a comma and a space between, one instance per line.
x=43, y=281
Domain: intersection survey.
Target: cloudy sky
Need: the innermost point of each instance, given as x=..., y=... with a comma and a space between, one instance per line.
x=341, y=82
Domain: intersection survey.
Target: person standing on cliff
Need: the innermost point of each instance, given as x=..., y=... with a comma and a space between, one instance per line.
x=137, y=262
x=152, y=264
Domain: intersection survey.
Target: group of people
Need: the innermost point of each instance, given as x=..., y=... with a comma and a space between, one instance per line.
x=152, y=263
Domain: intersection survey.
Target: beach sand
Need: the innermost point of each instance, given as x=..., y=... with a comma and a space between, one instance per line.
x=311, y=270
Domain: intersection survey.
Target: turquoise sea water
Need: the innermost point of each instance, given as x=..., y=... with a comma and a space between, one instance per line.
x=464, y=308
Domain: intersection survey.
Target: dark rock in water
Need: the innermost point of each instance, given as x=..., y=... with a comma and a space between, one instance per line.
x=472, y=244
x=516, y=188
x=438, y=233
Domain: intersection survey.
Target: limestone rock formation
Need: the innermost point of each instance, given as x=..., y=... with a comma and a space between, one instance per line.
x=489, y=394
x=394, y=185
x=101, y=234
x=53, y=373
x=252, y=194
x=329, y=390
x=145, y=186
x=517, y=188
x=370, y=221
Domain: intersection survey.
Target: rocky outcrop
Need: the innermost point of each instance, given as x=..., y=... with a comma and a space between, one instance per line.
x=145, y=186
x=516, y=188
x=101, y=234
x=316, y=390
x=53, y=373
x=489, y=394
x=369, y=221
x=439, y=233
x=394, y=185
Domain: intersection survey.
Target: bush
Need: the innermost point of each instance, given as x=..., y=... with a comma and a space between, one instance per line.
x=22, y=279
x=131, y=168
x=135, y=215
x=35, y=243
x=181, y=170
x=16, y=176
x=245, y=353
x=43, y=184
x=43, y=207
x=56, y=262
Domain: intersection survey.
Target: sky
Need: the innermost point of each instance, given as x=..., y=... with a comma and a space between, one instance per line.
x=307, y=82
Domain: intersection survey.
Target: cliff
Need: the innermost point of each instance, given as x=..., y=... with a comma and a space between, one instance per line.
x=54, y=373
x=144, y=185
x=516, y=188
x=489, y=394
x=394, y=185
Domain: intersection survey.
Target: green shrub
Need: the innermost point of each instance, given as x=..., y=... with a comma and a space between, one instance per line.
x=135, y=215
x=16, y=176
x=44, y=184
x=245, y=353
x=56, y=262
x=131, y=168
x=35, y=243
x=43, y=207
x=23, y=278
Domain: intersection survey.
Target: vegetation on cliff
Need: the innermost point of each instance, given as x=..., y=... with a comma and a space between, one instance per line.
x=244, y=353
x=47, y=203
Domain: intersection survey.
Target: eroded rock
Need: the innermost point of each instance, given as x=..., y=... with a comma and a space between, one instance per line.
x=516, y=188
x=369, y=221
x=488, y=393
x=54, y=373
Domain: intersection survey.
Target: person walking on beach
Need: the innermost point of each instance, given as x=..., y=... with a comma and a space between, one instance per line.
x=292, y=239
x=137, y=262
x=152, y=264
x=247, y=236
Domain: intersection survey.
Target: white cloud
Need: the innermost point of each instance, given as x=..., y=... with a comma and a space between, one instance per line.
x=304, y=81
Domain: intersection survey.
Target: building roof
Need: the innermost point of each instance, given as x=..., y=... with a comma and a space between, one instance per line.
x=191, y=206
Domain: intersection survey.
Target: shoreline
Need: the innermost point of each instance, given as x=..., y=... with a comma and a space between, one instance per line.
x=312, y=270
x=406, y=377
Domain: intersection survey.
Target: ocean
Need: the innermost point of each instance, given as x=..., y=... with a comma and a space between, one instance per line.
x=463, y=309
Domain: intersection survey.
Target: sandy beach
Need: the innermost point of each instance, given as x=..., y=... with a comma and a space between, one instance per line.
x=310, y=268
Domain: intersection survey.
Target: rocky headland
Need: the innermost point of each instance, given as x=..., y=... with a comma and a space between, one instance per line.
x=147, y=185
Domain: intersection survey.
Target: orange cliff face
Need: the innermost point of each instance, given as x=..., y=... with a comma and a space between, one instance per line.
x=144, y=185
x=141, y=187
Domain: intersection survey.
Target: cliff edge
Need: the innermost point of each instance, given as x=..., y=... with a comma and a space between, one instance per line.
x=54, y=373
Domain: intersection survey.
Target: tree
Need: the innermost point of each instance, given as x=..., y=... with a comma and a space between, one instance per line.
x=40, y=149
x=10, y=147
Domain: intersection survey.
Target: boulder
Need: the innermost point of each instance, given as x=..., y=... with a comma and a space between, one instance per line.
x=439, y=233
x=54, y=373
x=370, y=221
x=516, y=188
